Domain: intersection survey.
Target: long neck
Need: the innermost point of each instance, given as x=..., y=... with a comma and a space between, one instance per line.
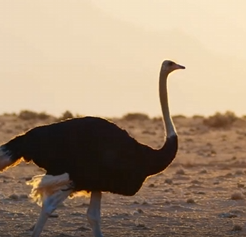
x=158, y=160
x=170, y=129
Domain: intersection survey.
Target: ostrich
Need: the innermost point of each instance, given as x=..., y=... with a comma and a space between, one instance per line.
x=90, y=154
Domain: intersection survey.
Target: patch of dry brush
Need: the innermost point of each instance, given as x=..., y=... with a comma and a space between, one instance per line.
x=136, y=116
x=219, y=120
x=31, y=115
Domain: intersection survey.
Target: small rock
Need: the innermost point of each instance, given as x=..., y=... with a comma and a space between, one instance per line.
x=237, y=196
x=145, y=203
x=216, y=182
x=201, y=192
x=203, y=171
x=237, y=228
x=180, y=171
x=84, y=228
x=227, y=215
x=14, y=197
x=168, y=181
x=31, y=228
x=23, y=196
x=240, y=185
x=140, y=210
x=138, y=224
x=239, y=172
x=190, y=200
x=53, y=215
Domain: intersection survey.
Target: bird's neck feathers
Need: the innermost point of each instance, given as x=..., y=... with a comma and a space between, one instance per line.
x=170, y=128
x=158, y=160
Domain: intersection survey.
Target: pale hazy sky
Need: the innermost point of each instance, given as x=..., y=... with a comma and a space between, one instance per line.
x=102, y=57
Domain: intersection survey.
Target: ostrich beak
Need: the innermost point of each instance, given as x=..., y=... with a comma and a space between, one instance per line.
x=179, y=66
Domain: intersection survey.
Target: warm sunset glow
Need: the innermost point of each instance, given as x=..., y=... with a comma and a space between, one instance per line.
x=102, y=57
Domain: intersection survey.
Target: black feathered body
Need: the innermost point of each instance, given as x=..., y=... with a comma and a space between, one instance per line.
x=97, y=154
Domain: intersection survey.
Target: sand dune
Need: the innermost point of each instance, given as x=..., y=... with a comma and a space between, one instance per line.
x=202, y=193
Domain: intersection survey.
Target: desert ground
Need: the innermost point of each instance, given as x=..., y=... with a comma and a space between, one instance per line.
x=202, y=193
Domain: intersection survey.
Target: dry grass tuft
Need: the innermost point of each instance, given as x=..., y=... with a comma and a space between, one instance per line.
x=219, y=120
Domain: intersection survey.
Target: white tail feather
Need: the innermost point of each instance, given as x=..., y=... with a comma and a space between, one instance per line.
x=46, y=185
x=5, y=159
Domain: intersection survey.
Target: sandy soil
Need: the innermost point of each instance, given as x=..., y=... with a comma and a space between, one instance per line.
x=201, y=194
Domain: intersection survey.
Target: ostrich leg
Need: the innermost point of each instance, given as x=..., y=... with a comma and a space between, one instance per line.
x=94, y=213
x=48, y=206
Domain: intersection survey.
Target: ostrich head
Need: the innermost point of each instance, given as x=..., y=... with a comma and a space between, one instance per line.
x=169, y=66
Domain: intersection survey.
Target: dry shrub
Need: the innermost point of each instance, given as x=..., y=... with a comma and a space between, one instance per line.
x=31, y=115
x=9, y=114
x=179, y=119
x=158, y=119
x=136, y=116
x=27, y=115
x=66, y=115
x=197, y=116
x=219, y=120
x=178, y=116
